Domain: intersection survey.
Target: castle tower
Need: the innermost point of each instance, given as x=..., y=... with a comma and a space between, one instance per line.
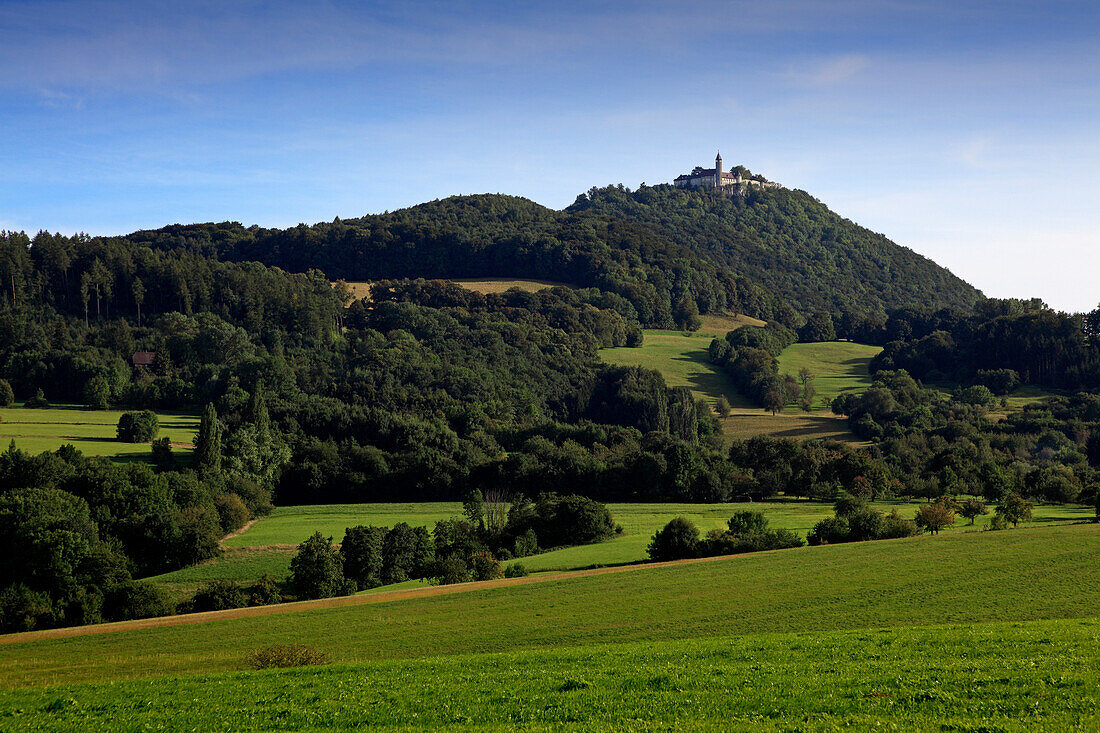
x=718, y=171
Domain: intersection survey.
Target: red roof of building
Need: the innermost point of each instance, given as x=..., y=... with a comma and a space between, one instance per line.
x=144, y=358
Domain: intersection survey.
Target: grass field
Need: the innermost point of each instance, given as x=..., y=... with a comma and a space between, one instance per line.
x=682, y=360
x=963, y=578
x=837, y=366
x=269, y=544
x=1025, y=676
x=91, y=431
x=483, y=285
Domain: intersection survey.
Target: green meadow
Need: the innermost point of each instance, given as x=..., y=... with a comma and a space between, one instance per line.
x=267, y=546
x=1030, y=676
x=837, y=366
x=1034, y=574
x=92, y=432
x=682, y=359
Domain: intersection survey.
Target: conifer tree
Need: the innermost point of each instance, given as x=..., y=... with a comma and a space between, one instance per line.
x=257, y=410
x=208, y=442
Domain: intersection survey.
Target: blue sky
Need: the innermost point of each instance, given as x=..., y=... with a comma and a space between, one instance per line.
x=968, y=131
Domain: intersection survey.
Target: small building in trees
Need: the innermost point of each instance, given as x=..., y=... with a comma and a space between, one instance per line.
x=144, y=358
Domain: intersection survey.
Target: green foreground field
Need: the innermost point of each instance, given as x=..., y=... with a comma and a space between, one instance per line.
x=1030, y=676
x=981, y=631
x=267, y=546
x=92, y=432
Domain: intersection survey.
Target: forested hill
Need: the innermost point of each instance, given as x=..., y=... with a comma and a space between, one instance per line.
x=662, y=283
x=792, y=244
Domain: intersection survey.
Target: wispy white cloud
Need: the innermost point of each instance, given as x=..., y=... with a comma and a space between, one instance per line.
x=829, y=71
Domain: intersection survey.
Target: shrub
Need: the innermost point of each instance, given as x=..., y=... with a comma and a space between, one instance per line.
x=571, y=520
x=999, y=381
x=162, y=453
x=264, y=592
x=977, y=394
x=232, y=513
x=678, y=539
x=747, y=522
x=23, y=609
x=286, y=655
x=483, y=566
x=516, y=570
x=218, y=595
x=526, y=544
x=137, y=427
x=7, y=397
x=133, y=600
x=894, y=527
x=38, y=401
x=451, y=570
x=865, y=524
x=829, y=531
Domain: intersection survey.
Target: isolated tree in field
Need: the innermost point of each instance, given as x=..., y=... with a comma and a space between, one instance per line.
x=316, y=570
x=973, y=507
x=773, y=401
x=208, y=442
x=1014, y=509
x=934, y=517
x=676, y=541
x=7, y=396
x=722, y=406
x=137, y=427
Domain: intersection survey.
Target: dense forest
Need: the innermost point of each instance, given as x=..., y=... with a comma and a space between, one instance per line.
x=494, y=235
x=790, y=243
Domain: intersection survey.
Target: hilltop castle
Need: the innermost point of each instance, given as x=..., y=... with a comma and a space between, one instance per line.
x=716, y=178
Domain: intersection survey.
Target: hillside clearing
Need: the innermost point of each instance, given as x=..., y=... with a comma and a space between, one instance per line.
x=1016, y=575
x=92, y=432
x=480, y=285
x=837, y=366
x=683, y=360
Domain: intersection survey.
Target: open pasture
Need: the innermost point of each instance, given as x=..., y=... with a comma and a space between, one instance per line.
x=481, y=285
x=960, y=578
x=683, y=361
x=92, y=432
x=837, y=366
x=1030, y=676
x=267, y=546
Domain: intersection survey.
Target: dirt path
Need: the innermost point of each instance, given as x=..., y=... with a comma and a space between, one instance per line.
x=358, y=600
x=239, y=532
